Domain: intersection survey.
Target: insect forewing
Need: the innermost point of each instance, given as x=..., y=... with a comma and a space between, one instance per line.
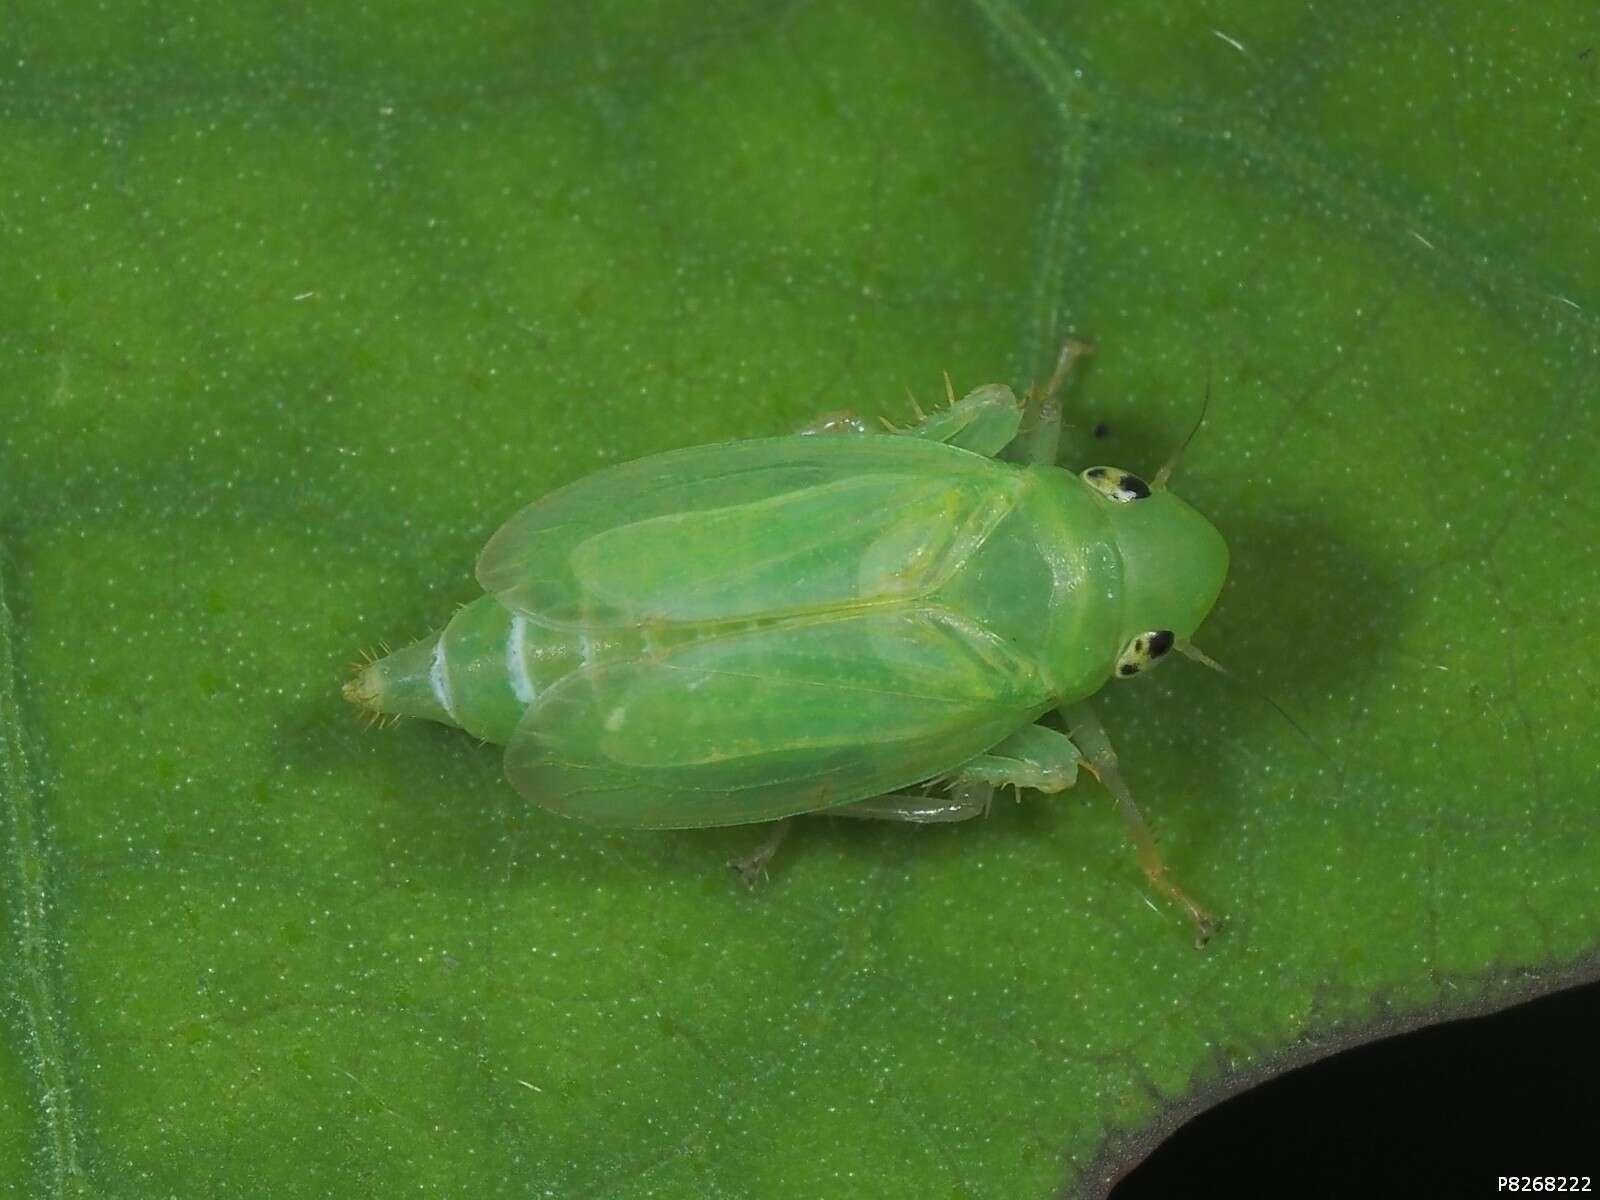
x=745, y=530
x=762, y=723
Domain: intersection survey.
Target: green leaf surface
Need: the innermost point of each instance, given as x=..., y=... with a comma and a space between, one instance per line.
x=298, y=307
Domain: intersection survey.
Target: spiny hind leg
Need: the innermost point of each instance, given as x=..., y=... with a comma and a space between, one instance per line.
x=1034, y=757
x=1101, y=760
x=984, y=421
x=987, y=420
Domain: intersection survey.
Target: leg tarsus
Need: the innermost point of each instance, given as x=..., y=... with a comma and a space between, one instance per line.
x=1101, y=761
x=754, y=865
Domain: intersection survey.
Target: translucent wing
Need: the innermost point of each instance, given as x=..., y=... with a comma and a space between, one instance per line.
x=793, y=717
x=750, y=529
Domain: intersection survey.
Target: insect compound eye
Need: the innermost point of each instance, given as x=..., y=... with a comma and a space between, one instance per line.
x=1144, y=652
x=1114, y=484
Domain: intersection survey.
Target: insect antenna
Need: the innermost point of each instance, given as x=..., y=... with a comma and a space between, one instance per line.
x=1190, y=651
x=1165, y=473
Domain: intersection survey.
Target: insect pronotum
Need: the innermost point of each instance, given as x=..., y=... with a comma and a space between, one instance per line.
x=868, y=624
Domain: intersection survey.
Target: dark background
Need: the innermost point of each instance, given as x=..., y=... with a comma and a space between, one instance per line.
x=1443, y=1111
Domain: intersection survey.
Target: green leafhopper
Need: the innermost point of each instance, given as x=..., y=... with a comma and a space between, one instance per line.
x=868, y=624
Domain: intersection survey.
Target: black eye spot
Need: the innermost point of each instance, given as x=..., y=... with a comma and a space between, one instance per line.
x=1101, y=429
x=1096, y=473
x=1160, y=642
x=1135, y=486
x=1127, y=669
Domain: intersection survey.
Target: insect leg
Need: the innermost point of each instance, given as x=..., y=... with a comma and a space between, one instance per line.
x=841, y=420
x=1034, y=757
x=963, y=800
x=1042, y=443
x=961, y=803
x=984, y=421
x=1101, y=759
x=754, y=865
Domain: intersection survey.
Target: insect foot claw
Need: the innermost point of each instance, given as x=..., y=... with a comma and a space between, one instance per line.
x=753, y=866
x=750, y=869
